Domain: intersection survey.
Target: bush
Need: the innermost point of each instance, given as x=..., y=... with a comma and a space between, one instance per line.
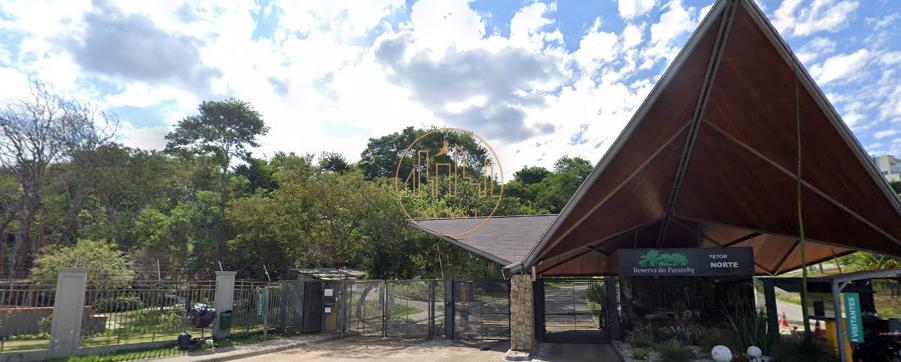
x=122, y=303
x=713, y=337
x=747, y=327
x=800, y=349
x=640, y=354
x=674, y=351
x=107, y=266
x=641, y=337
x=687, y=334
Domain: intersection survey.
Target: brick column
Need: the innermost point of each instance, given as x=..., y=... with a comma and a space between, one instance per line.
x=522, y=331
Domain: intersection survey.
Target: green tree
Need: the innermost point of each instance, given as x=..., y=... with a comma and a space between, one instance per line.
x=382, y=155
x=559, y=186
x=259, y=173
x=107, y=267
x=222, y=131
x=530, y=175
x=333, y=162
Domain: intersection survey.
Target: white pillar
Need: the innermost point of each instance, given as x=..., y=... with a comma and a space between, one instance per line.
x=224, y=298
x=68, y=310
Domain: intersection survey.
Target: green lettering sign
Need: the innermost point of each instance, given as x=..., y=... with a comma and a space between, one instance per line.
x=855, y=321
x=655, y=258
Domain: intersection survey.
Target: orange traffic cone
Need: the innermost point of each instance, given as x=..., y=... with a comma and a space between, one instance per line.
x=783, y=323
x=817, y=331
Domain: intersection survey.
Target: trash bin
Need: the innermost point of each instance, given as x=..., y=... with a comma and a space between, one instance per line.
x=225, y=320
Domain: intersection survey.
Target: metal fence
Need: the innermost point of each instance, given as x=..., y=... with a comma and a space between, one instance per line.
x=416, y=308
x=481, y=309
x=158, y=311
x=365, y=311
x=25, y=315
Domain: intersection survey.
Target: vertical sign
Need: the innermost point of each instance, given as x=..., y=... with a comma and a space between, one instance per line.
x=261, y=302
x=855, y=321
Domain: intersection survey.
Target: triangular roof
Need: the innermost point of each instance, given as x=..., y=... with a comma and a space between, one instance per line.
x=501, y=239
x=711, y=159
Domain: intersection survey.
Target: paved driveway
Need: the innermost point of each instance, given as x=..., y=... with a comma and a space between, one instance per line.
x=391, y=349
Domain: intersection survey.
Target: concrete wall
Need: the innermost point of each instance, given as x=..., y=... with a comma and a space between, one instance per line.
x=27, y=320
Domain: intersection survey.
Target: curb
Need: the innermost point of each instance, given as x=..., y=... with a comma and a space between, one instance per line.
x=232, y=355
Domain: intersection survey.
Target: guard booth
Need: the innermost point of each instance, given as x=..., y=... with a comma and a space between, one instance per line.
x=318, y=299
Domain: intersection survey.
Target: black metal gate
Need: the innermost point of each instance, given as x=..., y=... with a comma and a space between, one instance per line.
x=409, y=308
x=365, y=307
x=470, y=309
x=573, y=310
x=481, y=309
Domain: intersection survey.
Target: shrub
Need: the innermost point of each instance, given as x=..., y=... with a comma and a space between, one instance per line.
x=122, y=303
x=640, y=354
x=687, y=334
x=674, y=351
x=747, y=327
x=713, y=337
x=641, y=337
x=801, y=349
x=107, y=266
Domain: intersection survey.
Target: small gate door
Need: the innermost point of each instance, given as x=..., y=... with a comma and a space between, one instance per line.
x=312, y=307
x=575, y=310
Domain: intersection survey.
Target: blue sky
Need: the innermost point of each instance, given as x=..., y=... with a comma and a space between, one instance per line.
x=537, y=79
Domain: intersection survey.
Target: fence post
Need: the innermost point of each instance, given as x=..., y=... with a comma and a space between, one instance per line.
x=431, y=306
x=68, y=311
x=449, y=309
x=224, y=299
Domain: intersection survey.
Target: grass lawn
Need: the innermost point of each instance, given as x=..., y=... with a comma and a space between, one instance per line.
x=148, y=325
x=886, y=305
x=234, y=340
x=403, y=311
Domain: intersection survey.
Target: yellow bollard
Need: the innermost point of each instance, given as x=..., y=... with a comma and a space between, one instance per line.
x=832, y=337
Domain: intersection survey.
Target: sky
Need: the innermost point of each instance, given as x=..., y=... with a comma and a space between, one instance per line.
x=537, y=79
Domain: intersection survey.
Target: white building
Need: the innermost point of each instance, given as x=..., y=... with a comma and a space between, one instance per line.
x=889, y=167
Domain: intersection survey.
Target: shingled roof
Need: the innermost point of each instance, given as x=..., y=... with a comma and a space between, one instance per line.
x=502, y=239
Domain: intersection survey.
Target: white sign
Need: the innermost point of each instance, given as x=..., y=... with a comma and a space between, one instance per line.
x=328, y=309
x=328, y=292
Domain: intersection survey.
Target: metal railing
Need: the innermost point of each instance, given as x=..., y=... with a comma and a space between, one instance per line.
x=25, y=316
x=136, y=314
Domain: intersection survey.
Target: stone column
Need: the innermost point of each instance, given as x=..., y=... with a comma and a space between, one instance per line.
x=223, y=299
x=68, y=310
x=522, y=330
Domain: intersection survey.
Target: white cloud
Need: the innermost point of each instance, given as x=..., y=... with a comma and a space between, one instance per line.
x=632, y=36
x=843, y=67
x=597, y=48
x=815, y=49
x=148, y=138
x=791, y=18
x=629, y=9
x=674, y=23
x=526, y=27
x=885, y=133
x=322, y=83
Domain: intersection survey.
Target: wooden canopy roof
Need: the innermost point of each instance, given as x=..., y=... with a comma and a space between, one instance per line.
x=718, y=155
